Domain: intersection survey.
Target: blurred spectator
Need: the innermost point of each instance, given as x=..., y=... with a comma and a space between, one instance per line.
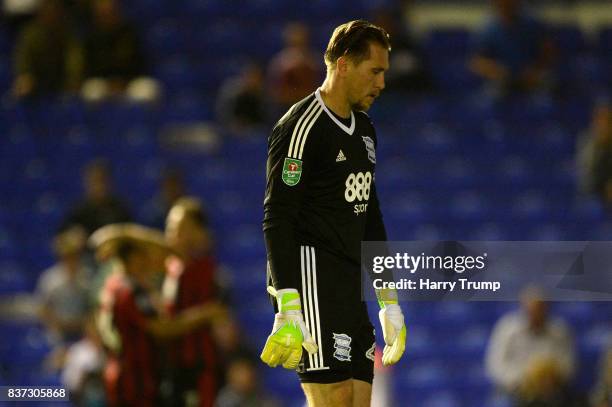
x=545, y=385
x=230, y=345
x=99, y=207
x=514, y=52
x=241, y=101
x=113, y=57
x=63, y=289
x=48, y=57
x=242, y=389
x=519, y=338
x=602, y=394
x=595, y=154
x=408, y=68
x=82, y=374
x=17, y=13
x=294, y=72
x=191, y=281
x=172, y=187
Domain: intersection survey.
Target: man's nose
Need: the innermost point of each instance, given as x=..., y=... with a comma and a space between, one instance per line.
x=381, y=82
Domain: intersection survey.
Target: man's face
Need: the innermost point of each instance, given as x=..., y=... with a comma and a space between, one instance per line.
x=97, y=185
x=367, y=79
x=182, y=232
x=537, y=312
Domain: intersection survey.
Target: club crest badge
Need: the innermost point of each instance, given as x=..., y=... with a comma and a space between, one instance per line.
x=292, y=171
x=342, y=344
x=369, y=143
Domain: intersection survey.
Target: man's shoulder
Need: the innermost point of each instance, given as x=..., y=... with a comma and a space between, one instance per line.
x=364, y=123
x=363, y=118
x=50, y=279
x=299, y=110
x=511, y=322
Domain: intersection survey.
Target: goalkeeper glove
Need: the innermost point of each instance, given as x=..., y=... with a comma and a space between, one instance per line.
x=289, y=333
x=394, y=330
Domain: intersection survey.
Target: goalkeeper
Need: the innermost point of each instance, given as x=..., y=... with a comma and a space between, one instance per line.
x=320, y=204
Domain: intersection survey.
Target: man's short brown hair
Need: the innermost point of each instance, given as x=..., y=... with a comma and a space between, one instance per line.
x=194, y=209
x=353, y=40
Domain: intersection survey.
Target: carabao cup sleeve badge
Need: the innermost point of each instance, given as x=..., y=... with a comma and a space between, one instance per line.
x=292, y=171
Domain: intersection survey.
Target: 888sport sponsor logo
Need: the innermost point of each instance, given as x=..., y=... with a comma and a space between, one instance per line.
x=358, y=190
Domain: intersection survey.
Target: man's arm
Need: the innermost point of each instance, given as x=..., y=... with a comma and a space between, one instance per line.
x=290, y=161
x=375, y=227
x=186, y=321
x=288, y=173
x=375, y=232
x=127, y=313
x=390, y=314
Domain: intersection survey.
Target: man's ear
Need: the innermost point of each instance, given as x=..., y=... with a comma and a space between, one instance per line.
x=342, y=65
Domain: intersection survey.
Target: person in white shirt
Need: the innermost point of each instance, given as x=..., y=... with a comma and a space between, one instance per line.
x=63, y=289
x=520, y=337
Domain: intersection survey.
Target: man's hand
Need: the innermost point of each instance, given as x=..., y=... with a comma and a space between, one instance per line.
x=289, y=333
x=394, y=333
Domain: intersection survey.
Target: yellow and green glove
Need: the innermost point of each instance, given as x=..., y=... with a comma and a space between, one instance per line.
x=289, y=333
x=393, y=327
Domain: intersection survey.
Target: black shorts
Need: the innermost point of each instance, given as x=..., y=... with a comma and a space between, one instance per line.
x=337, y=319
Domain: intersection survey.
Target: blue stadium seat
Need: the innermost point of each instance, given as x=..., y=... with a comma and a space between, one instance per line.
x=178, y=74
x=468, y=205
x=187, y=107
x=207, y=10
x=442, y=43
x=605, y=41
x=442, y=399
x=423, y=378
x=285, y=384
x=530, y=205
x=166, y=37
x=547, y=232
x=13, y=279
x=6, y=74
x=246, y=242
x=6, y=42
x=569, y=39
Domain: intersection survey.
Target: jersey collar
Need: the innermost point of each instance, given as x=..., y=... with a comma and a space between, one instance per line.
x=348, y=130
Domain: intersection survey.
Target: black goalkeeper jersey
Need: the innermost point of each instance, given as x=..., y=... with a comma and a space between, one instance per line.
x=320, y=188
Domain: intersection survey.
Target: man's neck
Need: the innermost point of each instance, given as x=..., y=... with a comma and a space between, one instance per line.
x=334, y=98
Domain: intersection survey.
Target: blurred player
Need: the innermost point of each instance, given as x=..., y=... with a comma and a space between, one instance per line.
x=131, y=312
x=190, y=281
x=320, y=204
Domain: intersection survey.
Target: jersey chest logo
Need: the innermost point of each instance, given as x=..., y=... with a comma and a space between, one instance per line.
x=369, y=143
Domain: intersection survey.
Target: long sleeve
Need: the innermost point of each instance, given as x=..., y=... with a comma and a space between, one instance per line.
x=288, y=173
x=375, y=227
